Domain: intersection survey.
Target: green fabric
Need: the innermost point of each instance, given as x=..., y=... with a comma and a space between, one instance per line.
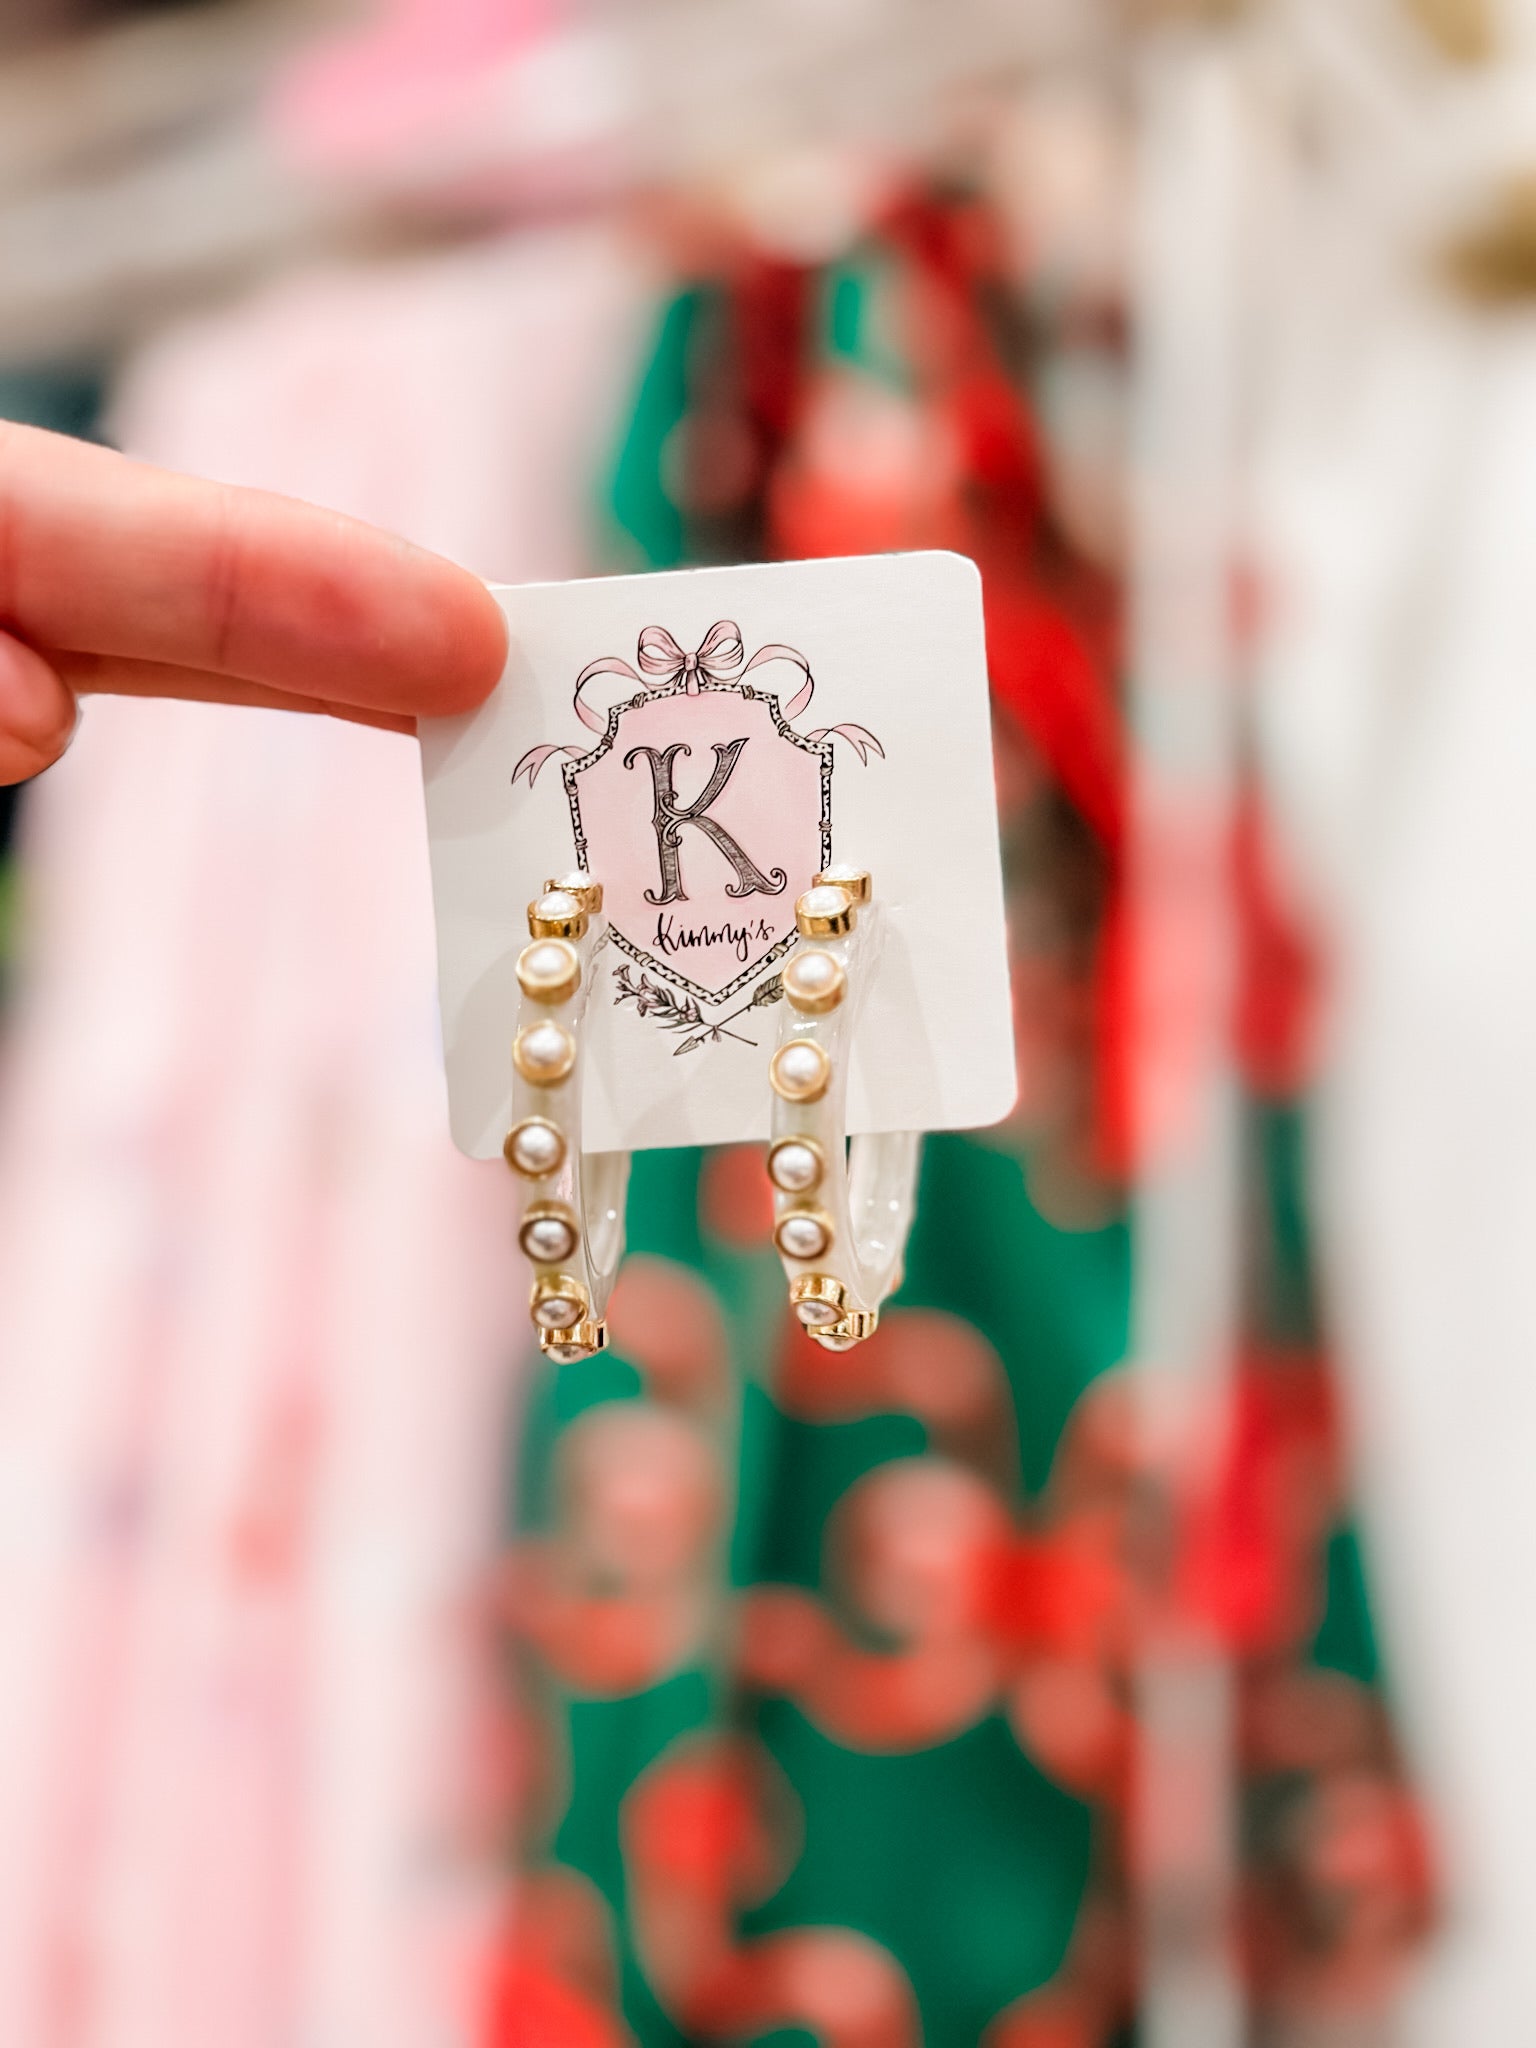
x=640, y=505
x=962, y=1857
x=67, y=400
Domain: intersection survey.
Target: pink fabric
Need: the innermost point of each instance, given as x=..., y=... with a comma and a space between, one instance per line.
x=256, y=1317
x=403, y=79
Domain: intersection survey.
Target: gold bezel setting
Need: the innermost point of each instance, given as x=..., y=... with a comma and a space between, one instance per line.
x=818, y=1300
x=811, y=1182
x=857, y=1327
x=825, y=982
x=826, y=911
x=814, y=1226
x=557, y=1303
x=812, y=1080
x=858, y=883
x=550, y=1075
x=557, y=914
x=520, y=1132
x=570, y=1347
x=549, y=971
x=538, y=1213
x=588, y=893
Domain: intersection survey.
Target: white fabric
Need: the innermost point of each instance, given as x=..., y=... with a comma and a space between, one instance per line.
x=1397, y=523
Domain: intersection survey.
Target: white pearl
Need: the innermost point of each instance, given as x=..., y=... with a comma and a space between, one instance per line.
x=842, y=871
x=795, y=1168
x=814, y=1313
x=828, y=902
x=549, y=1240
x=813, y=972
x=801, y=1065
x=557, y=904
x=802, y=1237
x=549, y=961
x=556, y=1313
x=578, y=878
x=546, y=1048
x=537, y=1148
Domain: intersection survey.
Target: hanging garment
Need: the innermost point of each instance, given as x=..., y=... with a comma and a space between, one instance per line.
x=257, y=1317
x=1399, y=519
x=824, y=1667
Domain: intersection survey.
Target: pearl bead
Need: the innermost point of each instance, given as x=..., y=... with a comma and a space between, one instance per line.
x=814, y=972
x=823, y=902
x=800, y=1071
x=816, y=1314
x=802, y=1237
x=548, y=1239
x=814, y=982
x=578, y=878
x=545, y=1051
x=557, y=904
x=794, y=1167
x=858, y=882
x=549, y=971
x=547, y=962
x=535, y=1148
x=555, y=1312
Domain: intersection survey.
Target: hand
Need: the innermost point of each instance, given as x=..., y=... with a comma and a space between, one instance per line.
x=121, y=579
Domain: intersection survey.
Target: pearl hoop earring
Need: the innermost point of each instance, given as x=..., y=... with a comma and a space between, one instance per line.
x=572, y=1224
x=842, y=1213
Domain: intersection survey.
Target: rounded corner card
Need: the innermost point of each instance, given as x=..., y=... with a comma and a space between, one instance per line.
x=703, y=742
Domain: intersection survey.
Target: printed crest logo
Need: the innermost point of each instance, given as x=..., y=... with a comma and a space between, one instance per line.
x=701, y=810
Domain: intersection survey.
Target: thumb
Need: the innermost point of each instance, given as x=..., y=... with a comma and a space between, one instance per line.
x=37, y=711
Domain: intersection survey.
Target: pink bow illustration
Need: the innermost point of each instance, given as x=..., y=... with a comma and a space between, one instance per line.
x=718, y=657
x=660, y=663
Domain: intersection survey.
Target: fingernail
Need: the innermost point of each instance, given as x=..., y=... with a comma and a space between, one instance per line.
x=38, y=712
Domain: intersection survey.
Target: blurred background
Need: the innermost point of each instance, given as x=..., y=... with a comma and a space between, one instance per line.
x=1133, y=1643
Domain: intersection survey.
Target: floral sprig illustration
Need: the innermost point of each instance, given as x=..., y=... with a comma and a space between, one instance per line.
x=676, y=1012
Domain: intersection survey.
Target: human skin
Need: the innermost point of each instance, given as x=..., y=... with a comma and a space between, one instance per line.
x=119, y=579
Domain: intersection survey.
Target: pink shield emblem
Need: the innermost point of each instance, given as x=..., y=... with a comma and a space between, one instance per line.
x=708, y=816
x=702, y=810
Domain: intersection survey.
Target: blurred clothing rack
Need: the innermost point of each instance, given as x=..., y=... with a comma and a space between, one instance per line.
x=140, y=169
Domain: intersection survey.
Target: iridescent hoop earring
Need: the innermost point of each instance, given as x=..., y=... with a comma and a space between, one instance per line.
x=842, y=1213
x=572, y=1223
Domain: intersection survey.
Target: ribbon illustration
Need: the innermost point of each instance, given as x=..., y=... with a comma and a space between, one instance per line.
x=660, y=663
x=718, y=657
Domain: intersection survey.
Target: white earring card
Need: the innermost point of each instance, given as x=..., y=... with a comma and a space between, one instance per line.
x=703, y=742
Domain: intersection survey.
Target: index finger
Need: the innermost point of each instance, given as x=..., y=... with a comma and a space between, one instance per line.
x=103, y=556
